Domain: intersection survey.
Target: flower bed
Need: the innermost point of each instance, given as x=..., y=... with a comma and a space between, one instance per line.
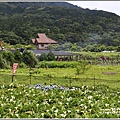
x=19, y=101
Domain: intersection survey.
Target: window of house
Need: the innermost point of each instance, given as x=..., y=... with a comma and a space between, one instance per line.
x=42, y=45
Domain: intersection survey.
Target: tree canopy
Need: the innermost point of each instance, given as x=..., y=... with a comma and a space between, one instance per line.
x=63, y=22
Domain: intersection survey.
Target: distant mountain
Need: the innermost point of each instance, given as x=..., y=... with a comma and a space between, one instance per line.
x=19, y=7
x=63, y=22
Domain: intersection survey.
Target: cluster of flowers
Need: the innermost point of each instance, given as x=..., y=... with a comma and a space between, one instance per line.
x=19, y=101
x=51, y=87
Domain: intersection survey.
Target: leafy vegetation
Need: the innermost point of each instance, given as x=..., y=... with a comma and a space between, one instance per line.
x=84, y=95
x=29, y=58
x=8, y=58
x=76, y=103
x=93, y=30
x=55, y=64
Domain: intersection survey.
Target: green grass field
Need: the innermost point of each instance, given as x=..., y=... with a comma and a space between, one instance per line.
x=96, y=75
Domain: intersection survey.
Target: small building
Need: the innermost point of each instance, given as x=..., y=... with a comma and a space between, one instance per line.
x=42, y=41
x=60, y=55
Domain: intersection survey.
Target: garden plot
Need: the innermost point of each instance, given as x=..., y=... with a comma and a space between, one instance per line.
x=19, y=101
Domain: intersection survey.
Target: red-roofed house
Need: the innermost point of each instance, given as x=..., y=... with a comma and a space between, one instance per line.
x=42, y=41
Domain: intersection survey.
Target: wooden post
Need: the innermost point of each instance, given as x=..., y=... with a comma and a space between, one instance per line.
x=94, y=82
x=30, y=76
x=70, y=83
x=12, y=77
x=30, y=72
x=50, y=80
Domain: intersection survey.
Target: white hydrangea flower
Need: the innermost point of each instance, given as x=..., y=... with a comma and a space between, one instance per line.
x=33, y=94
x=64, y=112
x=90, y=97
x=13, y=97
x=81, y=105
x=9, y=109
x=7, y=99
x=60, y=103
x=89, y=101
x=63, y=115
x=37, y=105
x=77, y=111
x=2, y=97
x=17, y=115
x=3, y=86
x=69, y=111
x=33, y=89
x=24, y=90
x=16, y=108
x=62, y=97
x=42, y=114
x=69, y=99
x=106, y=105
x=47, y=110
x=113, y=109
x=11, y=84
x=56, y=111
x=55, y=114
x=85, y=107
x=53, y=107
x=67, y=103
x=11, y=100
x=2, y=105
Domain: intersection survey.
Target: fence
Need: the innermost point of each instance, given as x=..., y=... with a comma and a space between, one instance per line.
x=62, y=81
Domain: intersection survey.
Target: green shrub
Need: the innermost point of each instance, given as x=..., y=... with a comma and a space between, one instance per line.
x=42, y=57
x=82, y=67
x=22, y=65
x=3, y=63
x=51, y=56
x=56, y=64
x=29, y=59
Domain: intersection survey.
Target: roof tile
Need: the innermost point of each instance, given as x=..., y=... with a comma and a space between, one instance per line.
x=42, y=38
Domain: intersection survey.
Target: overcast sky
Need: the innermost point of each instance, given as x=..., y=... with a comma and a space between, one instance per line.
x=109, y=6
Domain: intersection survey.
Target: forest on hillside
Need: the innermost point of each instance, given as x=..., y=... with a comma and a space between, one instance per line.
x=71, y=26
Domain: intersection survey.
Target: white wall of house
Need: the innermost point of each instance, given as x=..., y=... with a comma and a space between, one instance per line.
x=43, y=46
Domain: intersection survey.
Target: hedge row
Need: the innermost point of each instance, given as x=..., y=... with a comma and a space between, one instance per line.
x=56, y=64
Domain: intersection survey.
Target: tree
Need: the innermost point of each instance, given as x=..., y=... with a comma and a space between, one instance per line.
x=42, y=57
x=18, y=56
x=29, y=58
x=8, y=56
x=118, y=49
x=3, y=63
x=82, y=67
x=51, y=56
x=102, y=47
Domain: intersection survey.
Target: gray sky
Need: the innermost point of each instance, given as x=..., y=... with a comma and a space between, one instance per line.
x=109, y=6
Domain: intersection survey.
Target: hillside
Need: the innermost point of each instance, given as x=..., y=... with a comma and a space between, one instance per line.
x=63, y=22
